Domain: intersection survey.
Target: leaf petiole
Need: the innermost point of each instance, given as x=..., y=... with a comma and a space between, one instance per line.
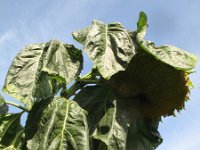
x=17, y=105
x=89, y=78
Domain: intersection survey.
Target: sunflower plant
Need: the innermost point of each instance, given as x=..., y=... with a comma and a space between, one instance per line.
x=116, y=106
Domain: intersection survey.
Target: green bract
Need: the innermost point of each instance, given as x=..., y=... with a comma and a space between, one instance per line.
x=116, y=106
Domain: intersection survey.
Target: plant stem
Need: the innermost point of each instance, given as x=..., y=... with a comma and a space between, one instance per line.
x=71, y=91
x=89, y=81
x=17, y=105
x=89, y=78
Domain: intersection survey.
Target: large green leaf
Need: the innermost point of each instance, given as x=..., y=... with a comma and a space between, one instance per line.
x=3, y=106
x=89, y=98
x=61, y=125
x=110, y=132
x=16, y=143
x=11, y=132
x=110, y=127
x=173, y=56
x=39, y=69
x=100, y=104
x=109, y=46
x=34, y=116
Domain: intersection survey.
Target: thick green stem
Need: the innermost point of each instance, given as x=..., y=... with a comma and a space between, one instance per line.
x=89, y=78
x=17, y=105
x=72, y=90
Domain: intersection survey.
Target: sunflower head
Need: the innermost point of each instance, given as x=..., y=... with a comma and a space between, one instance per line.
x=150, y=88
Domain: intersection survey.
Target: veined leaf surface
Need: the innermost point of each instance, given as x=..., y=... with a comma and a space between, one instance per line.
x=109, y=46
x=171, y=55
x=39, y=69
x=62, y=125
x=11, y=132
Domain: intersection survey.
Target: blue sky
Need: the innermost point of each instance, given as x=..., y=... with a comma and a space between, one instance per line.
x=171, y=22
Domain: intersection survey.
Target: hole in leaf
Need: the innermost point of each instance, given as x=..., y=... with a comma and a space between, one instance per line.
x=104, y=129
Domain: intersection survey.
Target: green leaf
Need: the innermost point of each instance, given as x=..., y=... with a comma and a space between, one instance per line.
x=38, y=71
x=142, y=21
x=100, y=104
x=110, y=132
x=3, y=106
x=173, y=56
x=8, y=148
x=141, y=27
x=34, y=116
x=110, y=127
x=89, y=98
x=143, y=135
x=109, y=46
x=11, y=132
x=61, y=125
x=62, y=60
